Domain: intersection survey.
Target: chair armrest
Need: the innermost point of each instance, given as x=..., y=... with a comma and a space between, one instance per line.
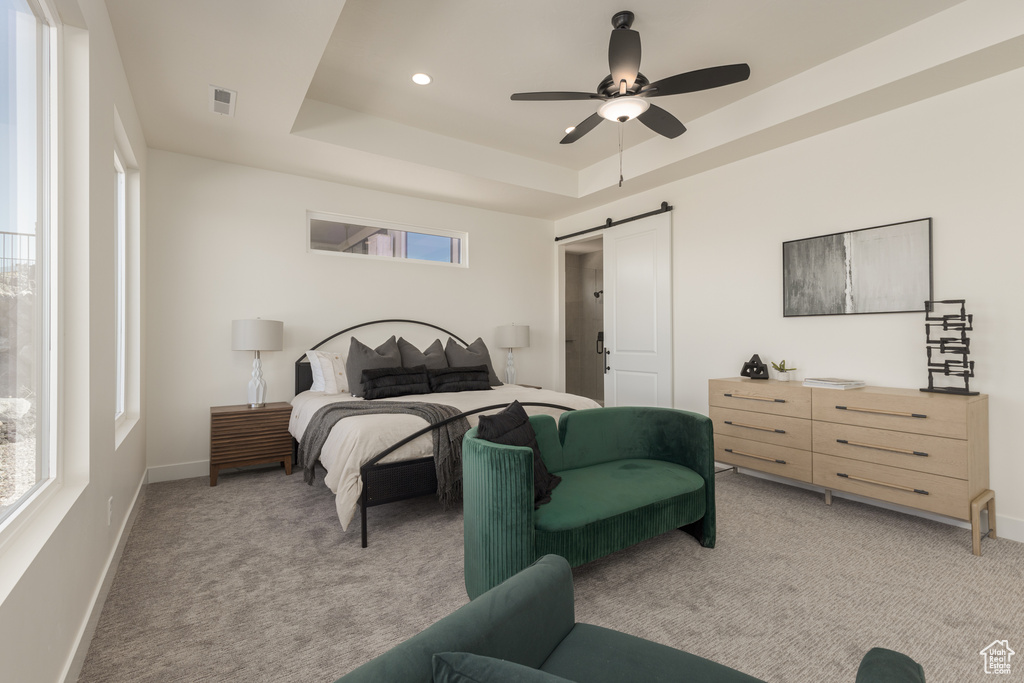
x=888, y=666
x=497, y=504
x=523, y=620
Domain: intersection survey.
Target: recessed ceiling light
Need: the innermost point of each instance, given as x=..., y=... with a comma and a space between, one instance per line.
x=421, y=79
x=570, y=129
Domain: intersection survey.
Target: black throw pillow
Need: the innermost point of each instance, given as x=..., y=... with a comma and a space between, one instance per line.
x=511, y=427
x=391, y=382
x=459, y=379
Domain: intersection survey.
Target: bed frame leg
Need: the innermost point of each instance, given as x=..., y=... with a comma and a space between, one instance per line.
x=362, y=509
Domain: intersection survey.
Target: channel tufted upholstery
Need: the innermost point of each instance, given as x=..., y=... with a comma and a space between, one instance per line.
x=628, y=474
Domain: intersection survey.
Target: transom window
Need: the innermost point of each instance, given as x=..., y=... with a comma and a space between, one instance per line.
x=365, y=237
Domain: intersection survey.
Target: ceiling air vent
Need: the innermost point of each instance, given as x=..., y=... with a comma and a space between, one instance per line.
x=222, y=100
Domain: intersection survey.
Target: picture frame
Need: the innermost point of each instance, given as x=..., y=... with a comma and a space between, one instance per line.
x=881, y=269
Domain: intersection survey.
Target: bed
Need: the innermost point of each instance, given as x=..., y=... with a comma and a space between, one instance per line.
x=373, y=459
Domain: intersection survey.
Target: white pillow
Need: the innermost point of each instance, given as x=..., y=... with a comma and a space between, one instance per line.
x=317, y=369
x=328, y=371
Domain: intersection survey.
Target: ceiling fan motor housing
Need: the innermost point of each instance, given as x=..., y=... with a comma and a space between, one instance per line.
x=623, y=19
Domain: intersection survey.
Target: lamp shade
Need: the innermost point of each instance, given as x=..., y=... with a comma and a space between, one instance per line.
x=513, y=336
x=257, y=335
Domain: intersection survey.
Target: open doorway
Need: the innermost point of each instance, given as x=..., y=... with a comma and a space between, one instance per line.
x=584, y=318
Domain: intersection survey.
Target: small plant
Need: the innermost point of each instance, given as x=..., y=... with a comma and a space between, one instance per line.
x=781, y=367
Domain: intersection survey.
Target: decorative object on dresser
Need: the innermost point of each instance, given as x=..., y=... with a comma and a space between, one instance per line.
x=922, y=451
x=952, y=329
x=512, y=337
x=240, y=436
x=783, y=371
x=834, y=383
x=257, y=335
x=754, y=368
x=885, y=269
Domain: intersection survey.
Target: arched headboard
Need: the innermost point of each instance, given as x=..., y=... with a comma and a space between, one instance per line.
x=303, y=374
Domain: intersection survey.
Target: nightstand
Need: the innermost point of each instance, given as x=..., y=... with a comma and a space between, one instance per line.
x=240, y=435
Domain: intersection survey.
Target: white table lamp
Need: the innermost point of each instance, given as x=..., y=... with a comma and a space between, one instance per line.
x=512, y=337
x=257, y=335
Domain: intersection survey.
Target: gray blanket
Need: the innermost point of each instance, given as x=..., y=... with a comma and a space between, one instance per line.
x=447, y=439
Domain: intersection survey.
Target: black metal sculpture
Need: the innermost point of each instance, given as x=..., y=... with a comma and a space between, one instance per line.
x=948, y=349
x=754, y=368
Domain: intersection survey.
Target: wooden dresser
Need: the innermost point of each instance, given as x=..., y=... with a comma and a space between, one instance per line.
x=922, y=450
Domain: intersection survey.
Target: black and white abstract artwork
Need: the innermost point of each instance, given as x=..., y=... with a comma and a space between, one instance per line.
x=885, y=269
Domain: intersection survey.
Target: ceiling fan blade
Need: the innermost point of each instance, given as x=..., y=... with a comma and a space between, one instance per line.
x=701, y=79
x=552, y=96
x=588, y=124
x=624, y=56
x=661, y=122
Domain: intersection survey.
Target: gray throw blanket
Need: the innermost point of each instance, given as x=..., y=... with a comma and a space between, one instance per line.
x=447, y=439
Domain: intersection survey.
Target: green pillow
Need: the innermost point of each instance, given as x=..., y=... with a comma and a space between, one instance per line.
x=465, y=667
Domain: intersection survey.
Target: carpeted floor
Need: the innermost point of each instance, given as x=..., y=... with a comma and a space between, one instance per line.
x=253, y=580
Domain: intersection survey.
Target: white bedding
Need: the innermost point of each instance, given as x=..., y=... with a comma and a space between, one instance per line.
x=354, y=440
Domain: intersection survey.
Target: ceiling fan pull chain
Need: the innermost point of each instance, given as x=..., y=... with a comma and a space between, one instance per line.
x=620, y=155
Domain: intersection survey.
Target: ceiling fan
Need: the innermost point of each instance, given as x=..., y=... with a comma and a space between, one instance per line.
x=626, y=91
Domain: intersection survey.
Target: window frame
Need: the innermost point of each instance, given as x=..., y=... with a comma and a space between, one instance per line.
x=462, y=236
x=48, y=126
x=120, y=282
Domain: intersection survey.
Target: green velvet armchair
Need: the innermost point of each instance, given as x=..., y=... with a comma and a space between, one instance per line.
x=526, y=630
x=628, y=474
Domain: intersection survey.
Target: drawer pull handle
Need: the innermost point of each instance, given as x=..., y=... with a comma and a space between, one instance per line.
x=904, y=451
x=895, y=413
x=757, y=398
x=763, y=429
x=882, y=483
x=751, y=455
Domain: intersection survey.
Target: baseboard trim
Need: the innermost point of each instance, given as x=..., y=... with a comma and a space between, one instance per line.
x=185, y=470
x=99, y=598
x=1006, y=527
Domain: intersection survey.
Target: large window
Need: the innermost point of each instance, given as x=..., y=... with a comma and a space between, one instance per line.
x=364, y=237
x=25, y=152
x=120, y=273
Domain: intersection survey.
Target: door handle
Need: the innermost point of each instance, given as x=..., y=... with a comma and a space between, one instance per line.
x=606, y=366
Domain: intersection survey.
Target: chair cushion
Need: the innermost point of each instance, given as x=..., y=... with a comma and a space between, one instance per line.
x=466, y=667
x=888, y=666
x=595, y=654
x=603, y=508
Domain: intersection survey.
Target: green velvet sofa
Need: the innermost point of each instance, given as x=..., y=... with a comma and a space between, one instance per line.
x=628, y=474
x=525, y=630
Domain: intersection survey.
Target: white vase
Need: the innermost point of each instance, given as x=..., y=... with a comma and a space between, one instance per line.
x=783, y=376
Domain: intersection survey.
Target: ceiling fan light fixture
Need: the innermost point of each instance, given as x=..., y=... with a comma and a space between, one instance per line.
x=623, y=109
x=421, y=79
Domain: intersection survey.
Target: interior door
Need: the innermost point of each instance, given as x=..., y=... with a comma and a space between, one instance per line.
x=638, y=312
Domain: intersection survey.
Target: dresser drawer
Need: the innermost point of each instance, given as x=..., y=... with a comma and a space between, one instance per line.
x=903, y=410
x=780, y=430
x=761, y=396
x=764, y=457
x=919, y=452
x=921, y=490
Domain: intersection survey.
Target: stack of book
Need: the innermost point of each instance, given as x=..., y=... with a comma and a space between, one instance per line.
x=833, y=383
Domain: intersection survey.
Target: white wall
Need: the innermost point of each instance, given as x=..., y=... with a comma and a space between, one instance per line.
x=52, y=572
x=228, y=242
x=956, y=158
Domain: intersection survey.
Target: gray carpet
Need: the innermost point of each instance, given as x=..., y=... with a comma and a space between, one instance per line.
x=253, y=580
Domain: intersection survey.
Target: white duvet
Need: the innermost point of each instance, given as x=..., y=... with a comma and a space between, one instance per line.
x=355, y=440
